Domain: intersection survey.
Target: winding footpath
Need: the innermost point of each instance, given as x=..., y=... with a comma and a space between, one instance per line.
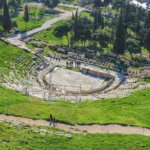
x=112, y=128
x=16, y=39
x=48, y=23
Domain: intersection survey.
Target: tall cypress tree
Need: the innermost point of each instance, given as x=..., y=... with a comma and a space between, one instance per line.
x=147, y=20
x=97, y=3
x=55, y=3
x=119, y=46
x=6, y=18
x=95, y=20
x=99, y=18
x=139, y=18
x=75, y=25
x=127, y=15
x=106, y=2
x=26, y=14
x=102, y=23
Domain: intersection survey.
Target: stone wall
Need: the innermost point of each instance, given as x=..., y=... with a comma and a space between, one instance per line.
x=97, y=73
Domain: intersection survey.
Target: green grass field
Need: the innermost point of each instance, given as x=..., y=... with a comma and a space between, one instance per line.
x=38, y=14
x=145, y=80
x=65, y=8
x=86, y=14
x=49, y=37
x=33, y=23
x=8, y=55
x=133, y=110
x=26, y=138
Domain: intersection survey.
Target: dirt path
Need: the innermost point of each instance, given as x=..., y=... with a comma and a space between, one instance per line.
x=80, y=128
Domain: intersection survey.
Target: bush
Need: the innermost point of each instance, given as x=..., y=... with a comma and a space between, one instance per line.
x=1, y=29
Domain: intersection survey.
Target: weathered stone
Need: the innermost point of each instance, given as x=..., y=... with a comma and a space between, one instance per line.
x=43, y=131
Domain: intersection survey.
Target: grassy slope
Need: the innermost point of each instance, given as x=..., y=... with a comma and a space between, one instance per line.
x=133, y=110
x=49, y=37
x=145, y=80
x=8, y=54
x=37, y=17
x=86, y=14
x=65, y=8
x=15, y=139
x=33, y=23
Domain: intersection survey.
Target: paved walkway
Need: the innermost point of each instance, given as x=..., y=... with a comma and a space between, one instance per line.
x=112, y=128
x=16, y=38
x=48, y=23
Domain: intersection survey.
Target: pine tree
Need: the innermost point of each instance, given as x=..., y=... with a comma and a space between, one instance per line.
x=97, y=3
x=127, y=15
x=47, y=2
x=95, y=20
x=139, y=17
x=26, y=14
x=147, y=20
x=102, y=23
x=75, y=25
x=106, y=2
x=6, y=18
x=55, y=3
x=99, y=18
x=119, y=46
x=72, y=16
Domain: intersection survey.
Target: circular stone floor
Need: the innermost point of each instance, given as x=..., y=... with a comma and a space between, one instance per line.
x=73, y=80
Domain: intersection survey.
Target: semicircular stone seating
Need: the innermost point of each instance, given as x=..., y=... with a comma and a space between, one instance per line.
x=32, y=78
x=111, y=82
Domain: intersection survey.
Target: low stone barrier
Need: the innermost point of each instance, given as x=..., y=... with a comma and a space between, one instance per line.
x=93, y=91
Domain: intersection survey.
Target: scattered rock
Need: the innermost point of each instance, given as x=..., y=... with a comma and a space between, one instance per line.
x=59, y=133
x=43, y=131
x=68, y=136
